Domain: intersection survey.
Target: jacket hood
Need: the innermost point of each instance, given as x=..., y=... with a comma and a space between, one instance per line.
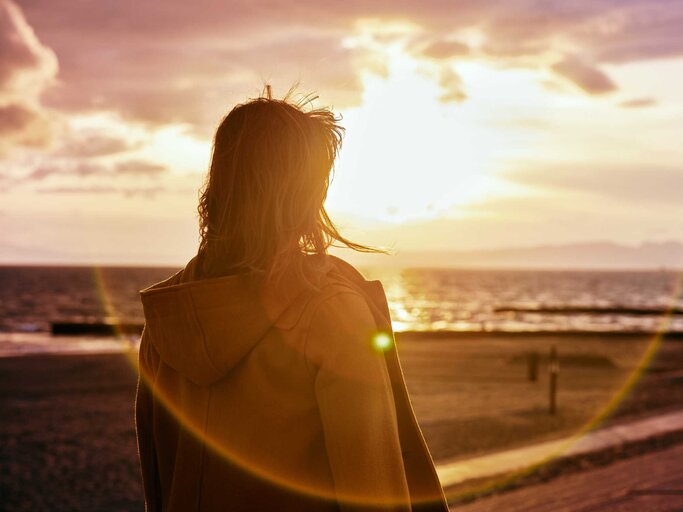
x=203, y=328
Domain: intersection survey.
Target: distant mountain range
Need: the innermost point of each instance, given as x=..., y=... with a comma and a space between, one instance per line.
x=588, y=255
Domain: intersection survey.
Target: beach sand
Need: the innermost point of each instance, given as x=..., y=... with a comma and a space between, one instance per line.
x=67, y=440
x=472, y=395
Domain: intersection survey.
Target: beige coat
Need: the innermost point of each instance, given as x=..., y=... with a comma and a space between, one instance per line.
x=272, y=396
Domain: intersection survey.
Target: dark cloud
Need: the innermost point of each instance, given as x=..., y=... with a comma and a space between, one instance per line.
x=589, y=78
x=180, y=64
x=93, y=146
x=521, y=28
x=26, y=68
x=86, y=169
x=634, y=30
x=654, y=184
x=18, y=50
x=80, y=170
x=25, y=125
x=195, y=83
x=639, y=103
x=445, y=49
x=139, y=168
x=608, y=31
x=104, y=189
x=15, y=118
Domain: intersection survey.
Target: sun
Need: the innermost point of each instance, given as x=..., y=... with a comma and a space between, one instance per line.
x=408, y=154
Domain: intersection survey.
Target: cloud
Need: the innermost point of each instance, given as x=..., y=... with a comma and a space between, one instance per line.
x=634, y=31
x=139, y=167
x=639, y=103
x=589, y=78
x=23, y=124
x=25, y=64
x=653, y=184
x=176, y=71
x=445, y=49
x=81, y=170
x=608, y=31
x=103, y=189
x=179, y=62
x=452, y=84
x=196, y=83
x=14, y=118
x=93, y=146
x=26, y=69
x=71, y=169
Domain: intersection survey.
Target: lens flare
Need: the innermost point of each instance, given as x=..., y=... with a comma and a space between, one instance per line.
x=382, y=341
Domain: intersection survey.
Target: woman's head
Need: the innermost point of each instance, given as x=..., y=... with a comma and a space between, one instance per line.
x=263, y=199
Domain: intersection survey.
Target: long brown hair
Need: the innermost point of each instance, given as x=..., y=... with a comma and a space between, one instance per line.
x=262, y=204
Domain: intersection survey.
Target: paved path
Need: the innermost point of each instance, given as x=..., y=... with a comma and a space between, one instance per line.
x=647, y=483
x=513, y=460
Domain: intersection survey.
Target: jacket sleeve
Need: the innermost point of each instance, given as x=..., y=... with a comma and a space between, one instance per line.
x=356, y=406
x=144, y=414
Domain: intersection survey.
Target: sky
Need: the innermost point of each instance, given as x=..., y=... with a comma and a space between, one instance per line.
x=469, y=125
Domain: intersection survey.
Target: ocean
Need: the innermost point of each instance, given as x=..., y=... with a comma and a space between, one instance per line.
x=32, y=297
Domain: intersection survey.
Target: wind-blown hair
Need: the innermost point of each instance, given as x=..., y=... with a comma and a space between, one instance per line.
x=262, y=204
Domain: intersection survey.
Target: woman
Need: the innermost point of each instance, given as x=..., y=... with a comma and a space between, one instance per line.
x=268, y=375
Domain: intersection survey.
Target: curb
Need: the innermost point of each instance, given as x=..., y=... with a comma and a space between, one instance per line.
x=510, y=461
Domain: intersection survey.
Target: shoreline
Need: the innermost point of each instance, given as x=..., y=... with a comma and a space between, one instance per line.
x=450, y=335
x=22, y=344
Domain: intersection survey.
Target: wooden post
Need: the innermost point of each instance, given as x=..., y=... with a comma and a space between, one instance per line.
x=532, y=366
x=553, y=370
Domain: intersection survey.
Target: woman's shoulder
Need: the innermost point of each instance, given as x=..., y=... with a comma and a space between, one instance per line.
x=339, y=297
x=342, y=284
x=337, y=327
x=342, y=302
x=341, y=310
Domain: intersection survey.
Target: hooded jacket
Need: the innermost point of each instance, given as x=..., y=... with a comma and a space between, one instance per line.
x=257, y=395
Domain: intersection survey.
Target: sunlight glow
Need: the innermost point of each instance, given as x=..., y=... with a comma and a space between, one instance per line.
x=178, y=150
x=409, y=155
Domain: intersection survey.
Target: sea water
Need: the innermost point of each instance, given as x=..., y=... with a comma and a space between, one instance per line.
x=32, y=297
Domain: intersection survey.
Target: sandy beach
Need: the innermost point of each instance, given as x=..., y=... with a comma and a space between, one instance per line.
x=67, y=440
x=472, y=395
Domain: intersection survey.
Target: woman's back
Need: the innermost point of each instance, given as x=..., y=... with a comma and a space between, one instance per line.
x=260, y=385
x=272, y=393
